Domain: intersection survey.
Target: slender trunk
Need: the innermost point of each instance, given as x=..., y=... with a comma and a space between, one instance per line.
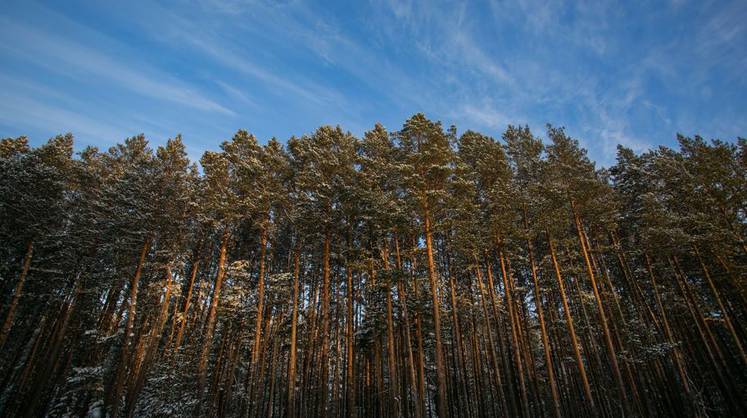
x=325, y=324
x=187, y=303
x=724, y=312
x=571, y=327
x=419, y=338
x=708, y=342
x=491, y=344
x=207, y=341
x=543, y=328
x=294, y=328
x=461, y=365
x=260, y=295
x=351, y=412
x=152, y=342
x=514, y=319
x=433, y=278
x=500, y=338
x=10, y=315
x=121, y=374
x=676, y=355
x=402, y=296
x=600, y=308
x=391, y=360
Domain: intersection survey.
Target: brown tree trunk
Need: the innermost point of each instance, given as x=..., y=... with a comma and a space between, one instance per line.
x=724, y=312
x=207, y=342
x=402, y=294
x=708, y=342
x=391, y=360
x=514, y=319
x=419, y=338
x=325, y=325
x=571, y=327
x=121, y=374
x=543, y=328
x=350, y=376
x=187, y=302
x=491, y=344
x=433, y=278
x=10, y=315
x=260, y=296
x=600, y=308
x=676, y=355
x=294, y=327
x=153, y=341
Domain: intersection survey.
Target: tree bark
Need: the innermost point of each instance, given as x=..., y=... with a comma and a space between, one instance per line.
x=207, y=342
x=10, y=315
x=571, y=327
x=600, y=308
x=433, y=278
x=543, y=328
x=121, y=374
x=294, y=327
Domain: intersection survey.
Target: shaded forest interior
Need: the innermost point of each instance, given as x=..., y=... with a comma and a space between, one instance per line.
x=418, y=273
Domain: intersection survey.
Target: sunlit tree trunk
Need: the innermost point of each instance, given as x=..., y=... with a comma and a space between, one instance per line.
x=543, y=329
x=571, y=327
x=600, y=308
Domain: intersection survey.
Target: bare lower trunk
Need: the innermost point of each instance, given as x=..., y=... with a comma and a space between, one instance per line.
x=571, y=327
x=433, y=278
x=543, y=328
x=600, y=308
x=121, y=374
x=207, y=342
x=294, y=328
x=10, y=315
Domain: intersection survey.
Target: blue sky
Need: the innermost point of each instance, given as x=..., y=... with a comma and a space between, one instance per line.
x=611, y=72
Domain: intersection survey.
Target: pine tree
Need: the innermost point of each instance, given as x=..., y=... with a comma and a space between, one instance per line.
x=409, y=274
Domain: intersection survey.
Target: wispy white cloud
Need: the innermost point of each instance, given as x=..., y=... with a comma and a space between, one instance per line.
x=483, y=116
x=77, y=60
x=40, y=108
x=32, y=114
x=605, y=70
x=236, y=93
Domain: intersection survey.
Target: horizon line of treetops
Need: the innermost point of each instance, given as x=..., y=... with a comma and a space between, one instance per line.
x=416, y=273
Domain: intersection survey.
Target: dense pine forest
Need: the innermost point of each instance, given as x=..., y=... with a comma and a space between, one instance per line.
x=415, y=273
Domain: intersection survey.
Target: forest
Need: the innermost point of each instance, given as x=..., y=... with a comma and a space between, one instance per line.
x=413, y=273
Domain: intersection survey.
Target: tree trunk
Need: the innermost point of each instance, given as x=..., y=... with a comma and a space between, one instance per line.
x=10, y=315
x=325, y=325
x=433, y=278
x=402, y=296
x=350, y=377
x=571, y=327
x=391, y=360
x=121, y=374
x=676, y=355
x=294, y=328
x=187, y=303
x=207, y=341
x=153, y=341
x=600, y=308
x=260, y=296
x=541, y=317
x=721, y=306
x=514, y=319
x=491, y=344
